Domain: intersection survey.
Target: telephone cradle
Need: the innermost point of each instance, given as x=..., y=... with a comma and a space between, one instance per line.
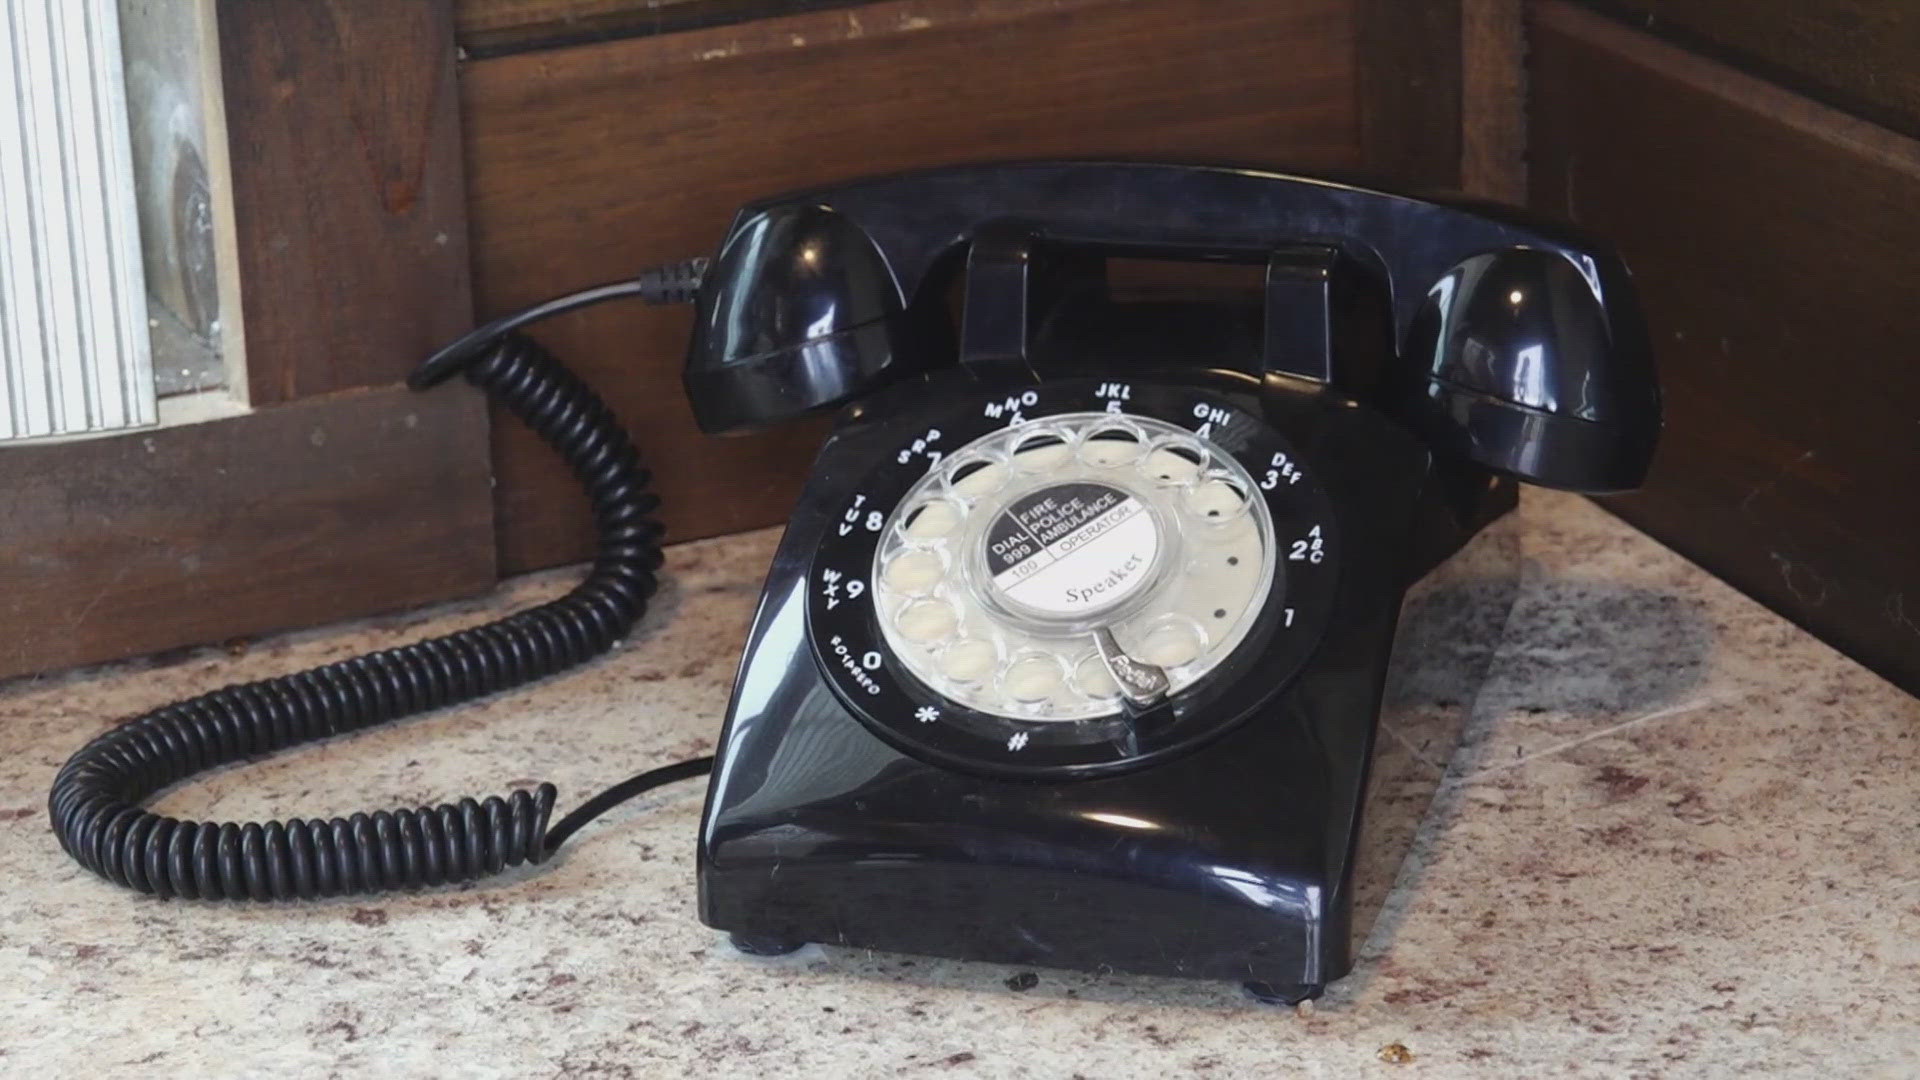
x=1118, y=627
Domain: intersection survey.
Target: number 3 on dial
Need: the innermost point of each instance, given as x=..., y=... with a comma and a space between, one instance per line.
x=1283, y=469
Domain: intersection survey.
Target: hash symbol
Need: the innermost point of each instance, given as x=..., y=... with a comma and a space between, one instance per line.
x=926, y=714
x=1018, y=741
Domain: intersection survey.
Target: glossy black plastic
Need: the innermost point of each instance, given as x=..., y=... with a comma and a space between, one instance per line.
x=777, y=336
x=798, y=314
x=1513, y=362
x=1232, y=861
x=1403, y=351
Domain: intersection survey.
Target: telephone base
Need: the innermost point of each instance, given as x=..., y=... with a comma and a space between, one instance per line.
x=1259, y=856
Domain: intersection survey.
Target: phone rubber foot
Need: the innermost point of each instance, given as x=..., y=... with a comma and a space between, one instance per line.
x=1282, y=994
x=763, y=945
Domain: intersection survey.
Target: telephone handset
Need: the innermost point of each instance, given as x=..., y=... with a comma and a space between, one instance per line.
x=1520, y=348
x=1077, y=637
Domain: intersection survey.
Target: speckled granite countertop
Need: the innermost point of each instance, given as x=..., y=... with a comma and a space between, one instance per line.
x=1682, y=840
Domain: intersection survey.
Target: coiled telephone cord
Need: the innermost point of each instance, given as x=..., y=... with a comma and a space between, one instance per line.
x=94, y=801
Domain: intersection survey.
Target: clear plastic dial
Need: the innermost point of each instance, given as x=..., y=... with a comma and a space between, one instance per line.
x=997, y=571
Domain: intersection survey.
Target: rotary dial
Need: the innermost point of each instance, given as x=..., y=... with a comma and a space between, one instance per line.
x=1082, y=576
x=1062, y=568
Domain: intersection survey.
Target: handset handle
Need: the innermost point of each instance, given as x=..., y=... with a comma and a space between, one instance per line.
x=1177, y=211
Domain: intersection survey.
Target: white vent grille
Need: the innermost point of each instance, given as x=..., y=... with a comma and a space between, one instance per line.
x=74, y=353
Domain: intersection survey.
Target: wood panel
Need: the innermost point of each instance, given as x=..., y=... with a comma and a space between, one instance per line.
x=1408, y=68
x=1773, y=239
x=349, y=208
x=483, y=17
x=1493, y=100
x=500, y=27
x=588, y=163
x=1859, y=55
x=361, y=502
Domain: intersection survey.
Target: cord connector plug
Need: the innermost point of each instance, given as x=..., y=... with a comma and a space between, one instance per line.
x=669, y=283
x=673, y=283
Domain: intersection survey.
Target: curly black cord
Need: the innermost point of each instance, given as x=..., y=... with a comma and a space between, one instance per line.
x=94, y=802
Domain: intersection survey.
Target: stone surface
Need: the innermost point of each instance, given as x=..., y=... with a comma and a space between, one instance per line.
x=1681, y=840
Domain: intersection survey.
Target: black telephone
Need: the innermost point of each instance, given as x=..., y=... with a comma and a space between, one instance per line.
x=1074, y=647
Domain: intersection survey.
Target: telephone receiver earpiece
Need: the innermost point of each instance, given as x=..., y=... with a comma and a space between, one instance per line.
x=801, y=314
x=1513, y=362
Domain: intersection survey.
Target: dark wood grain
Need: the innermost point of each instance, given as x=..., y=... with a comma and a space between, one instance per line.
x=1862, y=56
x=588, y=163
x=501, y=27
x=349, y=209
x=1773, y=239
x=357, y=503
x=1409, y=84
x=1493, y=100
x=480, y=18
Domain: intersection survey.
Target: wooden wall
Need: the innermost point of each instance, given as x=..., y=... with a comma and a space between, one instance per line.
x=1859, y=56
x=340, y=494
x=344, y=132
x=304, y=513
x=1774, y=239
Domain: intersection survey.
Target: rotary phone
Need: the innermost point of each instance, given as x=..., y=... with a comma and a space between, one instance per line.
x=1074, y=648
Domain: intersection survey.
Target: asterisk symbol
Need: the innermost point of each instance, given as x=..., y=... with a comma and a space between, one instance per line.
x=926, y=714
